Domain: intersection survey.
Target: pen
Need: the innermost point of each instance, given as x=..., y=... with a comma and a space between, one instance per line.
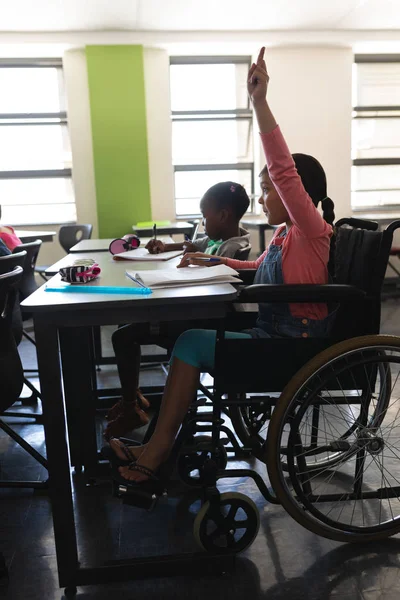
x=187, y=238
x=211, y=259
x=154, y=231
x=135, y=279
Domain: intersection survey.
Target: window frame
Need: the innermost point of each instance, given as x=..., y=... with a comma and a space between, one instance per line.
x=212, y=115
x=59, y=119
x=381, y=112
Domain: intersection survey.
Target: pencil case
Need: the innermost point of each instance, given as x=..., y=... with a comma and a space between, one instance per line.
x=127, y=242
x=81, y=271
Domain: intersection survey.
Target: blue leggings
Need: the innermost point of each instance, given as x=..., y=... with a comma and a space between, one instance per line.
x=196, y=347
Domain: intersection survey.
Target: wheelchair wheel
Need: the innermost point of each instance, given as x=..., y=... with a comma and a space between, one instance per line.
x=356, y=496
x=251, y=424
x=192, y=458
x=229, y=524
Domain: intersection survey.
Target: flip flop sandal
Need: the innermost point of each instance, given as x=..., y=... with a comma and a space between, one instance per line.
x=108, y=453
x=153, y=485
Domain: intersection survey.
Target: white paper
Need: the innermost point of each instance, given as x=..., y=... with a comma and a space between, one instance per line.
x=186, y=276
x=144, y=255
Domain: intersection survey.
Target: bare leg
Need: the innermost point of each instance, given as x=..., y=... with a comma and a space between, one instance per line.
x=179, y=393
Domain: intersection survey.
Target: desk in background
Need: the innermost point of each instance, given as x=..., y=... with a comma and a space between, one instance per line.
x=262, y=226
x=27, y=236
x=63, y=324
x=173, y=228
x=102, y=245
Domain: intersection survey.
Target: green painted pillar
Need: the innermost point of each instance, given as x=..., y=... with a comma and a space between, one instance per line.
x=119, y=129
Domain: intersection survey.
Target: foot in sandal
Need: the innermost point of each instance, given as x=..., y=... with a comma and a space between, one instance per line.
x=147, y=466
x=124, y=452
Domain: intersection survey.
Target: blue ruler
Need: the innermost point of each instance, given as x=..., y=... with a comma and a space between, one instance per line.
x=99, y=289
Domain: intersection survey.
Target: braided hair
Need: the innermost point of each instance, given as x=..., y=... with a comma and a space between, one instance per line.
x=314, y=180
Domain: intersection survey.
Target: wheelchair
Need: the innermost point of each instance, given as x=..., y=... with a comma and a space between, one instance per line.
x=321, y=414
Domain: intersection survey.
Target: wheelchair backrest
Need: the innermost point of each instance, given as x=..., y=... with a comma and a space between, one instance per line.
x=361, y=258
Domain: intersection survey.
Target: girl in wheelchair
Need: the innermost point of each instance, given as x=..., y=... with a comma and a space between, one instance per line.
x=292, y=187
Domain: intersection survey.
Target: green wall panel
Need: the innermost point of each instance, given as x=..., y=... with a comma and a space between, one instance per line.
x=118, y=117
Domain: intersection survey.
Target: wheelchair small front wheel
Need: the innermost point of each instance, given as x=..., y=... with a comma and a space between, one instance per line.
x=229, y=525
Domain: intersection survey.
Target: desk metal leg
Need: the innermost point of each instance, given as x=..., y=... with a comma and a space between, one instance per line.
x=80, y=395
x=57, y=450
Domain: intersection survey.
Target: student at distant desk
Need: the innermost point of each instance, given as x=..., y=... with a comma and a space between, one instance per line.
x=222, y=207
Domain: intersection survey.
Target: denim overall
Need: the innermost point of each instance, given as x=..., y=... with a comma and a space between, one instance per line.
x=275, y=320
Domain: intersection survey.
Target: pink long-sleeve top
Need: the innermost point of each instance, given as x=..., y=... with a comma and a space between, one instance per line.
x=305, y=249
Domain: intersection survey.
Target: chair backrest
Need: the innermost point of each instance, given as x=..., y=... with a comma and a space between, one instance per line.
x=11, y=371
x=69, y=235
x=361, y=258
x=7, y=264
x=196, y=225
x=242, y=253
x=28, y=284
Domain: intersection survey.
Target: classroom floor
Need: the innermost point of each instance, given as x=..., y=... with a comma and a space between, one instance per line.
x=285, y=562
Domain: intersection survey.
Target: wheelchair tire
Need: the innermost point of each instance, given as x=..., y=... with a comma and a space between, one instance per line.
x=303, y=496
x=216, y=528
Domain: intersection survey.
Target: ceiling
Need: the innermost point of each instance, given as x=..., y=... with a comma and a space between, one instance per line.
x=35, y=16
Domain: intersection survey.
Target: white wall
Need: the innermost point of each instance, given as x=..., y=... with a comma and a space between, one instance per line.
x=310, y=95
x=79, y=125
x=159, y=133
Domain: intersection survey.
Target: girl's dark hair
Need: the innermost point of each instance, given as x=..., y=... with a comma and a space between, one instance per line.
x=314, y=180
x=228, y=194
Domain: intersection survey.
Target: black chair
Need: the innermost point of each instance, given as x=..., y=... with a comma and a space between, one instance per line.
x=11, y=372
x=7, y=264
x=68, y=236
x=28, y=283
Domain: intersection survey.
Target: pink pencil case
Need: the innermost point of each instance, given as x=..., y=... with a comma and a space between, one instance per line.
x=81, y=271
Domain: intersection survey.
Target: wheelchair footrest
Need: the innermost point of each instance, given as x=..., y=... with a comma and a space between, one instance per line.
x=142, y=496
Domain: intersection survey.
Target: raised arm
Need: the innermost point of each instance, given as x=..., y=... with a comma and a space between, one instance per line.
x=281, y=167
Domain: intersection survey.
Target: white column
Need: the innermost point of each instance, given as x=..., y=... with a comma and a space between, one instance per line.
x=310, y=95
x=80, y=131
x=159, y=133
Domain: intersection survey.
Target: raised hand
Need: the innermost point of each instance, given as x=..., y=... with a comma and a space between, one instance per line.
x=257, y=79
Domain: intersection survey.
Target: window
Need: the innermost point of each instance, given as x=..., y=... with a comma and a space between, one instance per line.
x=35, y=154
x=212, y=138
x=376, y=133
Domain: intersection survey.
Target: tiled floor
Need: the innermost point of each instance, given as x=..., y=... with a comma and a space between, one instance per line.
x=285, y=562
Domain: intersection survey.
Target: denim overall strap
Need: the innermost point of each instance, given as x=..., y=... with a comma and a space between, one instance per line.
x=276, y=319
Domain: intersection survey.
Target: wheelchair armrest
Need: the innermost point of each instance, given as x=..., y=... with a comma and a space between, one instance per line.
x=299, y=293
x=247, y=275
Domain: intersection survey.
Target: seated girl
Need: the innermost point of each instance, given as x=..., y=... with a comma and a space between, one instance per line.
x=222, y=207
x=292, y=188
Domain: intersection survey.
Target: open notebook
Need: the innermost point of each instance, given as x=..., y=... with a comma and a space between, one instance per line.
x=166, y=278
x=144, y=255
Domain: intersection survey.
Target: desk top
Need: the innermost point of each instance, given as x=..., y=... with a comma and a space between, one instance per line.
x=102, y=245
x=113, y=274
x=27, y=236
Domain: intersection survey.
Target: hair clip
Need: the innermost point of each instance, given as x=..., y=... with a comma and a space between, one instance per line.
x=233, y=188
